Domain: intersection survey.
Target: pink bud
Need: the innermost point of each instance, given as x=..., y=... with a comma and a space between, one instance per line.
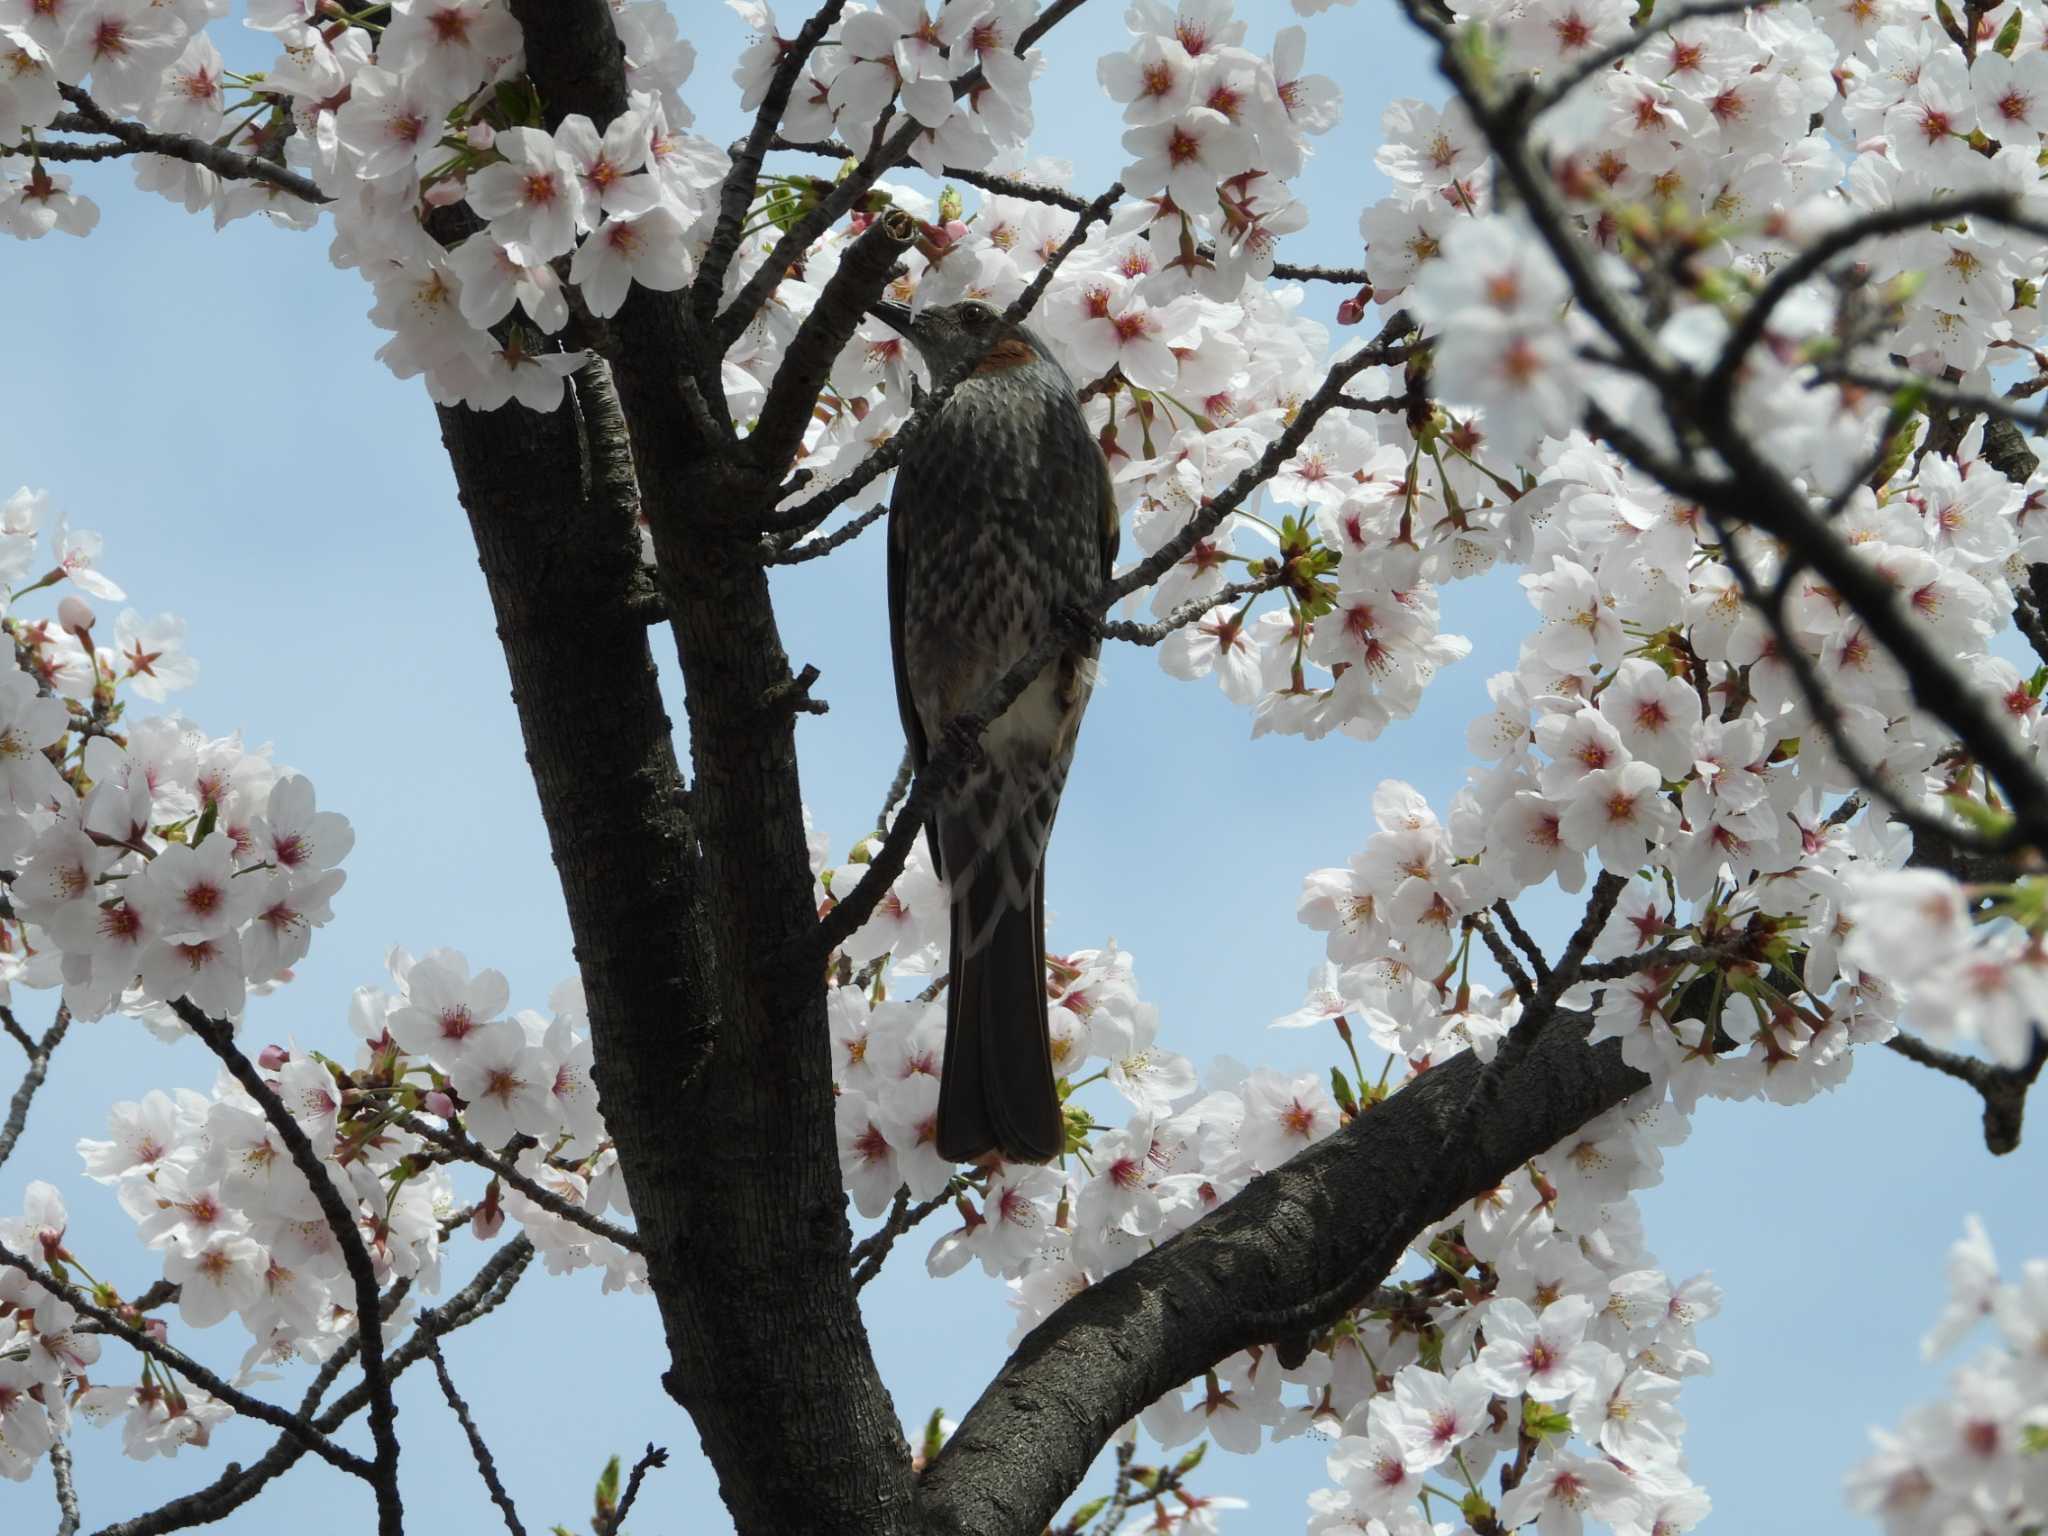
x=481, y=136
x=271, y=1057
x=444, y=193
x=956, y=229
x=488, y=1222
x=75, y=614
x=438, y=1103
x=1351, y=311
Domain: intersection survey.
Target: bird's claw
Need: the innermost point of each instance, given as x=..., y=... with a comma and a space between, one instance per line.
x=1079, y=620
x=963, y=740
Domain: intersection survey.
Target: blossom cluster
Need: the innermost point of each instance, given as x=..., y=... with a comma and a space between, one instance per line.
x=152, y=870
x=1976, y=1460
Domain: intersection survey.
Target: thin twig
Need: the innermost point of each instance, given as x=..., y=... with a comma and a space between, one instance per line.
x=868, y=1254
x=1523, y=942
x=653, y=1456
x=192, y=1370
x=67, y=1486
x=1502, y=955
x=237, y=1485
x=477, y=1449
x=463, y=1147
x=743, y=177
x=1184, y=614
x=228, y=163
x=218, y=1036
x=39, y=1053
x=2003, y=1089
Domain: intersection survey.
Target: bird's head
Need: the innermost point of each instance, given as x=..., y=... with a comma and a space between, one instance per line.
x=948, y=335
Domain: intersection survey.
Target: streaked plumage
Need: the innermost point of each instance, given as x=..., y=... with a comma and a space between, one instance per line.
x=1002, y=517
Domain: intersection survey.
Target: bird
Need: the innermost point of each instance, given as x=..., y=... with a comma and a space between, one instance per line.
x=1003, y=518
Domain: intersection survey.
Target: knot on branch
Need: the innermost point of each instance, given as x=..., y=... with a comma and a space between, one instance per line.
x=792, y=696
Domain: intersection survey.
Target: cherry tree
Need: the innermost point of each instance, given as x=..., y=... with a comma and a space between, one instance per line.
x=1716, y=323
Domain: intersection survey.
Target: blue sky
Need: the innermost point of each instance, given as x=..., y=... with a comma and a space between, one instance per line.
x=210, y=403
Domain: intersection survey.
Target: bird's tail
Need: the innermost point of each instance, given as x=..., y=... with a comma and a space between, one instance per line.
x=996, y=1089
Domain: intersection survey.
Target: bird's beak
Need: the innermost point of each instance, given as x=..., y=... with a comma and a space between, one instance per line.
x=895, y=316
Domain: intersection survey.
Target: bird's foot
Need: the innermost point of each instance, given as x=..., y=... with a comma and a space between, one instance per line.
x=962, y=739
x=1080, y=621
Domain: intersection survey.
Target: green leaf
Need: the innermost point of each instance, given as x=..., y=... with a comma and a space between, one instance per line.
x=1475, y=1509
x=1540, y=1420
x=1192, y=1460
x=2008, y=35
x=607, y=1498
x=2034, y=1439
x=208, y=819
x=934, y=1435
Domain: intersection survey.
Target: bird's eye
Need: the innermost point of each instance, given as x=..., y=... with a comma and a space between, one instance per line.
x=976, y=314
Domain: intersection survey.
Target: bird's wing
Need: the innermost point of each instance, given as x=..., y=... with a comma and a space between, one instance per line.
x=913, y=728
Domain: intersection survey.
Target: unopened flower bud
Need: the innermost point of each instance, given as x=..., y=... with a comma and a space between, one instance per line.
x=76, y=615
x=271, y=1057
x=439, y=1104
x=480, y=136
x=444, y=193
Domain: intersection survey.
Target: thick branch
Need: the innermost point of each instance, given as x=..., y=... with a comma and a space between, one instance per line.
x=1289, y=1235
x=863, y=272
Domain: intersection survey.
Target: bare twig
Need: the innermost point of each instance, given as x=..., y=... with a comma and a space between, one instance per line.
x=135, y=139
x=1183, y=614
x=1503, y=957
x=2003, y=1089
x=166, y=1354
x=1523, y=942
x=811, y=549
x=477, y=1449
x=237, y=1485
x=868, y=1254
x=218, y=1037
x=67, y=1486
x=39, y=1053
x=736, y=193
x=653, y=1456
x=464, y=1148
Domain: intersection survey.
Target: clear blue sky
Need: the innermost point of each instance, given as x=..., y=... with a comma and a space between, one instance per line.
x=210, y=403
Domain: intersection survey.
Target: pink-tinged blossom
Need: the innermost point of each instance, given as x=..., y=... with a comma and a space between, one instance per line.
x=533, y=198
x=150, y=654
x=446, y=1010
x=1546, y=1357
x=648, y=249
